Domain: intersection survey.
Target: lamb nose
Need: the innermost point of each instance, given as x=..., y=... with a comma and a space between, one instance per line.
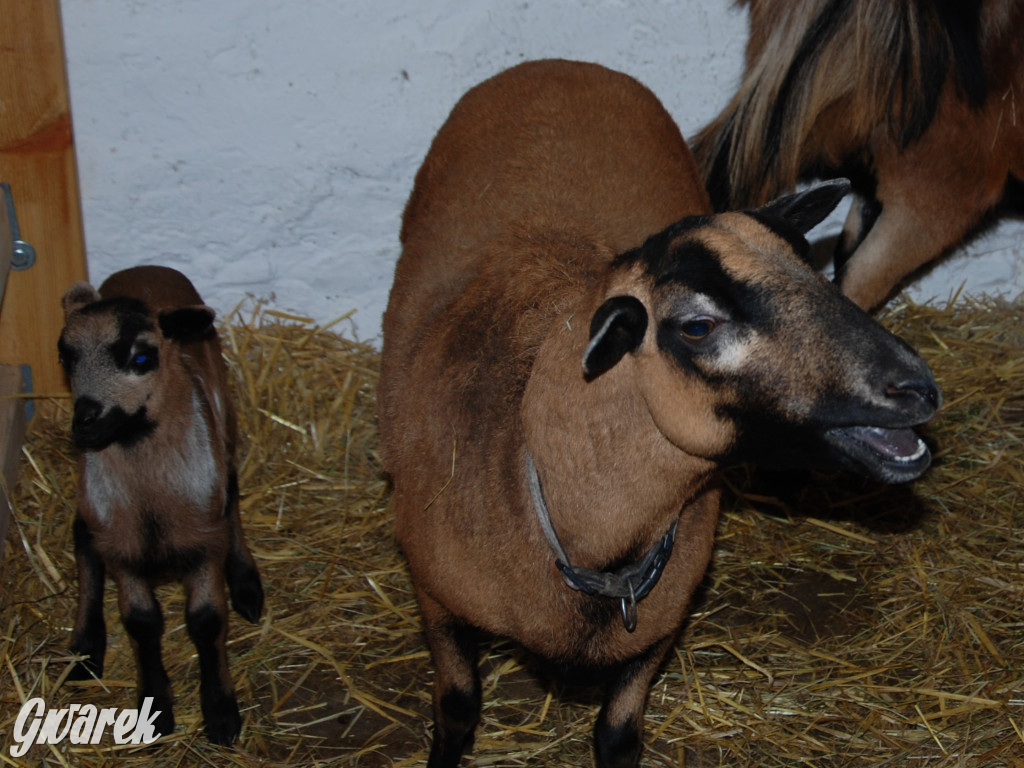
x=87, y=411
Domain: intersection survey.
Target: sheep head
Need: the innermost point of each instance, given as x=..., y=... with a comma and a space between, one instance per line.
x=743, y=351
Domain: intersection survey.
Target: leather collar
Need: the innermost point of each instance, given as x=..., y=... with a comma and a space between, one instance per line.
x=629, y=584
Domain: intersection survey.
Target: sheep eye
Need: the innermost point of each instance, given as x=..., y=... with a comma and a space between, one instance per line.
x=697, y=328
x=143, y=361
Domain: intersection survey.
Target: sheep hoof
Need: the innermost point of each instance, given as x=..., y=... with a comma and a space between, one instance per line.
x=163, y=725
x=87, y=669
x=224, y=724
x=247, y=595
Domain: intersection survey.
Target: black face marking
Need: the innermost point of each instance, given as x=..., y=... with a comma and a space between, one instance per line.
x=93, y=431
x=133, y=318
x=67, y=355
x=693, y=265
x=122, y=349
x=772, y=440
x=143, y=358
x=122, y=307
x=690, y=265
x=654, y=253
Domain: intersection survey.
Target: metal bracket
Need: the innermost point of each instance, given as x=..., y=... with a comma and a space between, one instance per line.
x=24, y=254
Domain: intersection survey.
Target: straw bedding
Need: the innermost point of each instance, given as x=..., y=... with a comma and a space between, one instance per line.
x=840, y=624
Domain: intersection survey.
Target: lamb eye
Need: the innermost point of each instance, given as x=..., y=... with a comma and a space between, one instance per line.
x=143, y=361
x=65, y=356
x=697, y=328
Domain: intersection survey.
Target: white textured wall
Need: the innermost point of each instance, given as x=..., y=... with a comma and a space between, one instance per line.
x=267, y=147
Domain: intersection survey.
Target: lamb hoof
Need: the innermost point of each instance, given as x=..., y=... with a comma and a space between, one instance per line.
x=247, y=596
x=224, y=726
x=163, y=725
x=87, y=669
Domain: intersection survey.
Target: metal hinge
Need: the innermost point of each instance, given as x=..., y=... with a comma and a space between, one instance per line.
x=24, y=255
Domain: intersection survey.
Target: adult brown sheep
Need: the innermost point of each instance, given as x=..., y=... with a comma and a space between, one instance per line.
x=914, y=100
x=572, y=349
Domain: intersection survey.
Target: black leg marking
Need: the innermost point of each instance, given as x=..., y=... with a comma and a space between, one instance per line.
x=89, y=637
x=208, y=629
x=145, y=626
x=616, y=745
x=618, y=732
x=457, y=693
x=244, y=584
x=245, y=587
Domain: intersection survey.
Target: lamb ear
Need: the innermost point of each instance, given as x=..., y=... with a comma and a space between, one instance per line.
x=77, y=296
x=618, y=327
x=186, y=323
x=805, y=210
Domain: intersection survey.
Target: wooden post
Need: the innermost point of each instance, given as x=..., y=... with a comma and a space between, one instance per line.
x=12, y=408
x=12, y=432
x=37, y=159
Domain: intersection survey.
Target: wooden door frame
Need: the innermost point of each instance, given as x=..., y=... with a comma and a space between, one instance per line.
x=37, y=159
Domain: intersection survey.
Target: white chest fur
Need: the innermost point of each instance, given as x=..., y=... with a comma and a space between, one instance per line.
x=177, y=465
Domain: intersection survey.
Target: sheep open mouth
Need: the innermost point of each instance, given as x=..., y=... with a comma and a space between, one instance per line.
x=890, y=455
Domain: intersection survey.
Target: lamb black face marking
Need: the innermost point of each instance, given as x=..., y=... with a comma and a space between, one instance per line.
x=66, y=355
x=94, y=430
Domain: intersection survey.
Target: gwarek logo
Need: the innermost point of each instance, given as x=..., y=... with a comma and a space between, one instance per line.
x=82, y=724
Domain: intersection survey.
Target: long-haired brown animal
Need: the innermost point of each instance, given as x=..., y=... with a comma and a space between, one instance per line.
x=158, y=490
x=914, y=100
x=573, y=347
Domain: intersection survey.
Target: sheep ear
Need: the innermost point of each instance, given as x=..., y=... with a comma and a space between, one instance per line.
x=618, y=327
x=77, y=296
x=186, y=323
x=805, y=210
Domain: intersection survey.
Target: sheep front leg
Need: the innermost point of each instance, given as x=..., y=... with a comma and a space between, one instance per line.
x=926, y=201
x=144, y=623
x=89, y=637
x=206, y=617
x=243, y=578
x=618, y=733
x=860, y=218
x=457, y=693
